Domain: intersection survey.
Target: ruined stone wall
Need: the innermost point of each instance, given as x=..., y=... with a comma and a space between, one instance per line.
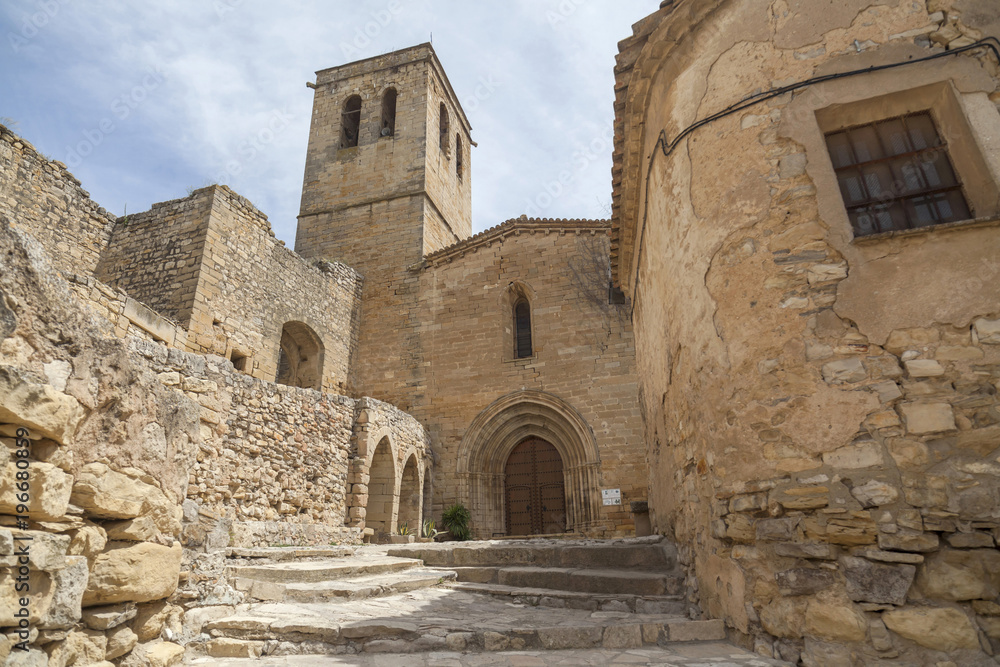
x=583, y=355
x=822, y=411
x=211, y=262
x=156, y=256
x=42, y=198
x=108, y=459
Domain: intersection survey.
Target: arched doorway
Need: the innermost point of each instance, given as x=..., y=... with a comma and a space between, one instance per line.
x=535, y=497
x=381, y=490
x=300, y=357
x=409, y=497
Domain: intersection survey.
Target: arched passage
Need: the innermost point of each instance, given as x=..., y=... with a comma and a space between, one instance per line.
x=505, y=424
x=300, y=357
x=410, y=497
x=382, y=492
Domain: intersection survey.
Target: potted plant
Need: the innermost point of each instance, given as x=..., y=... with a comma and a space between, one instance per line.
x=429, y=532
x=456, y=519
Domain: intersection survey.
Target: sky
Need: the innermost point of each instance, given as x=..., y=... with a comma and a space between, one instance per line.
x=148, y=101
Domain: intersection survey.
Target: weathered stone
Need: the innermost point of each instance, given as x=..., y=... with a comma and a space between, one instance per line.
x=784, y=617
x=234, y=648
x=854, y=529
x=872, y=553
x=84, y=647
x=927, y=417
x=987, y=331
x=164, y=654
x=140, y=529
x=908, y=541
x=822, y=273
x=42, y=409
x=378, y=629
x=958, y=353
x=103, y=493
x=835, y=622
x=804, y=581
x=622, y=636
x=888, y=391
x=865, y=455
x=49, y=492
x=970, y=540
x=844, y=371
x=128, y=572
x=874, y=493
x=87, y=541
x=121, y=640
x=881, y=639
x=697, y=631
x=807, y=497
x=901, y=340
x=874, y=582
x=68, y=585
x=961, y=575
x=46, y=551
x=806, y=550
x=106, y=618
x=558, y=638
x=152, y=618
x=986, y=608
x=990, y=625
x=776, y=529
x=940, y=629
x=923, y=368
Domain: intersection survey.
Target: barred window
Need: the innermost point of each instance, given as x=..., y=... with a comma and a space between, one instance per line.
x=896, y=174
x=522, y=329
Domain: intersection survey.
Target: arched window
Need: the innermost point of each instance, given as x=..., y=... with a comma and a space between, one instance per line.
x=445, y=125
x=522, y=329
x=388, y=113
x=300, y=357
x=459, y=157
x=350, y=122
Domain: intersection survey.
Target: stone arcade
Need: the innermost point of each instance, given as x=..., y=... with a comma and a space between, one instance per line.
x=793, y=362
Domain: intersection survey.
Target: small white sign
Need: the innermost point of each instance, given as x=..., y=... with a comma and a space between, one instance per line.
x=611, y=496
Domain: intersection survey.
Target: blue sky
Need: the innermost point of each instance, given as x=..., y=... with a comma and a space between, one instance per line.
x=146, y=101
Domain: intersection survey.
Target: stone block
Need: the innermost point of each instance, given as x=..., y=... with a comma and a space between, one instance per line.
x=834, y=622
x=844, y=371
x=876, y=582
x=970, y=540
x=121, y=640
x=987, y=331
x=939, y=629
x=42, y=409
x=811, y=550
x=570, y=637
x=802, y=497
x=804, y=581
x=164, y=654
x=49, y=493
x=874, y=493
x=697, y=631
x=927, y=417
x=777, y=529
x=923, y=368
x=972, y=574
x=908, y=541
x=865, y=455
x=129, y=572
x=622, y=636
x=234, y=648
x=901, y=340
x=109, y=617
x=68, y=586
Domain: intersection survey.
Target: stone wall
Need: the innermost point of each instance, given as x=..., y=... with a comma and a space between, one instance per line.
x=108, y=452
x=211, y=262
x=821, y=410
x=42, y=198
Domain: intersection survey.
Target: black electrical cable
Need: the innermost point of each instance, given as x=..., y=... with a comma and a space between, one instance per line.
x=991, y=43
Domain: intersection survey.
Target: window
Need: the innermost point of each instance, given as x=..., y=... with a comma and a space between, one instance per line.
x=445, y=125
x=300, y=357
x=459, y=158
x=896, y=174
x=350, y=124
x=522, y=329
x=239, y=361
x=388, y=113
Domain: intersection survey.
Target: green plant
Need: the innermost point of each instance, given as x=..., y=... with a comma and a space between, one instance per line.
x=404, y=529
x=456, y=519
x=429, y=529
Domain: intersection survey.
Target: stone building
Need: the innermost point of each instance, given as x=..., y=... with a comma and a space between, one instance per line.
x=786, y=342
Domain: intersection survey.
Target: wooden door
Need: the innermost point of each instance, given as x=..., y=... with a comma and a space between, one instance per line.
x=536, y=499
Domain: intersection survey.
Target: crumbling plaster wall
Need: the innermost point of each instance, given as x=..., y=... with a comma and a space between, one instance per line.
x=821, y=413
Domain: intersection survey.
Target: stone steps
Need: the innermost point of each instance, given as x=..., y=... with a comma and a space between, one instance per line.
x=320, y=570
x=547, y=597
x=438, y=620
x=606, y=581
x=354, y=588
x=290, y=553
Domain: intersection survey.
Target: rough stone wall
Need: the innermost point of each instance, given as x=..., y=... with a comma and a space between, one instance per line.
x=156, y=256
x=109, y=450
x=821, y=412
x=41, y=197
x=211, y=262
x=583, y=350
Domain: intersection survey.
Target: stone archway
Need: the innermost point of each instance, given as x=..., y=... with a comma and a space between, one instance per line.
x=410, y=497
x=382, y=491
x=506, y=423
x=300, y=357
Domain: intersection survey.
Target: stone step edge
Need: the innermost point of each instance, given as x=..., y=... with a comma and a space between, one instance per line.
x=275, y=574
x=551, y=597
x=337, y=589
x=284, y=554
x=396, y=637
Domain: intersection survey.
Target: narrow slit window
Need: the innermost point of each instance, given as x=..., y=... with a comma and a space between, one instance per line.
x=522, y=329
x=350, y=124
x=389, y=113
x=896, y=174
x=445, y=130
x=459, y=156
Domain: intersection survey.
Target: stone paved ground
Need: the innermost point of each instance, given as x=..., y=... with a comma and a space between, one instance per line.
x=708, y=654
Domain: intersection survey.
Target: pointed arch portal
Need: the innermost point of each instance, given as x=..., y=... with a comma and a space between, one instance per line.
x=494, y=437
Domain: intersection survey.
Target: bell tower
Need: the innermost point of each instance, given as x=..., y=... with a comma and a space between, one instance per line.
x=388, y=168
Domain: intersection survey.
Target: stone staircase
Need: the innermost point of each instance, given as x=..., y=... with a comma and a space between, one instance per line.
x=464, y=597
